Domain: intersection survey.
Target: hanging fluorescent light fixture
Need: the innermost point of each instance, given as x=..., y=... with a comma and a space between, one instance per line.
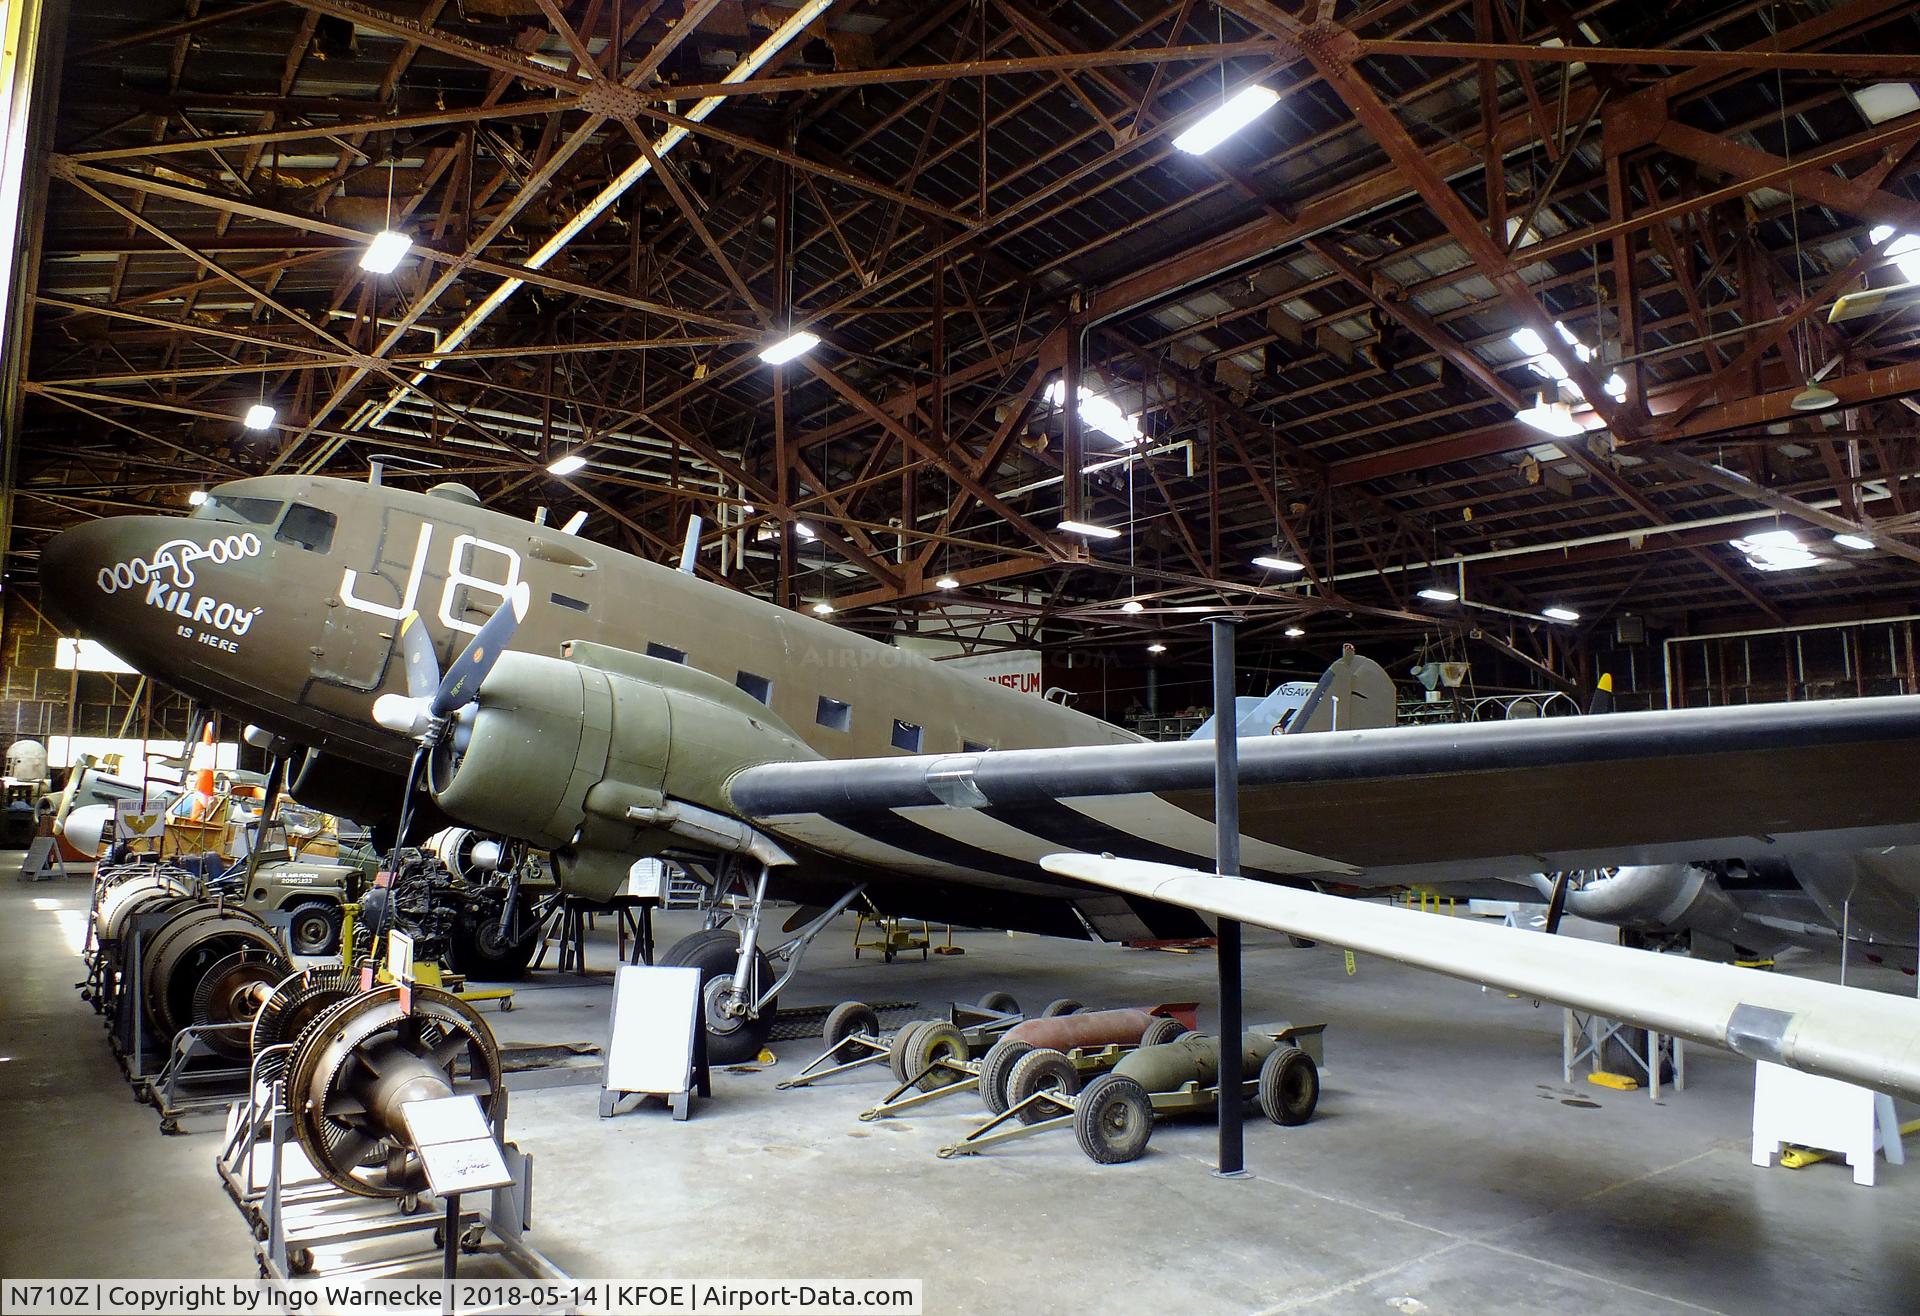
x=384, y=254
x=1294, y=632
x=793, y=345
x=1156, y=647
x=1775, y=550
x=946, y=582
x=823, y=608
x=566, y=465
x=1859, y=542
x=259, y=417
x=1100, y=413
x=1132, y=606
x=1437, y=594
x=1558, y=613
x=1272, y=563
x=198, y=498
x=805, y=531
x=1089, y=529
x=1233, y=114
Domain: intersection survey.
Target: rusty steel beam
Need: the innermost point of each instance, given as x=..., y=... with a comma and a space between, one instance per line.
x=1864, y=63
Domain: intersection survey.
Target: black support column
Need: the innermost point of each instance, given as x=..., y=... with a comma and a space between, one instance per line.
x=1226, y=851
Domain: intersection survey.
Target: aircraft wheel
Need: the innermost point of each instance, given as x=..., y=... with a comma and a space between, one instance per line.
x=995, y=1067
x=1044, y=1070
x=931, y=1044
x=1000, y=1003
x=897, y=1049
x=731, y=1039
x=1065, y=1005
x=1114, y=1120
x=313, y=927
x=1162, y=1030
x=481, y=950
x=850, y=1019
x=1289, y=1086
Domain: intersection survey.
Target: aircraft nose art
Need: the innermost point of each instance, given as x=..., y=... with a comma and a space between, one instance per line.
x=137, y=582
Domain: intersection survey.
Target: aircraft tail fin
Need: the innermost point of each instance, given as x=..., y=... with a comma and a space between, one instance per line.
x=1353, y=694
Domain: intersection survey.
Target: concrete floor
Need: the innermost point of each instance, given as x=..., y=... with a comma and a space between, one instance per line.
x=1449, y=1170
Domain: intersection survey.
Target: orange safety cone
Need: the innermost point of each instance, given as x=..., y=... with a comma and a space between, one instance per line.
x=203, y=776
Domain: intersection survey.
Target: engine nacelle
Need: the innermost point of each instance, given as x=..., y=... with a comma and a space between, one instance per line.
x=1662, y=898
x=563, y=754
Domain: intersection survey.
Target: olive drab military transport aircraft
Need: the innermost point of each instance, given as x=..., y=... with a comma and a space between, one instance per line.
x=607, y=709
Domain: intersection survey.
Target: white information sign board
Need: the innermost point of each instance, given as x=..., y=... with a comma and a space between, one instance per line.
x=456, y=1146
x=656, y=1009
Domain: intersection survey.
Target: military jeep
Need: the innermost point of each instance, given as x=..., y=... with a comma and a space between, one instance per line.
x=310, y=889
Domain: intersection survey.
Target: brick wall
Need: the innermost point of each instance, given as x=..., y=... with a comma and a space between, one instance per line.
x=34, y=693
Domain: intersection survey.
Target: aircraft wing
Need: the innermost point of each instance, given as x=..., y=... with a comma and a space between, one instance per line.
x=1401, y=804
x=1864, y=1037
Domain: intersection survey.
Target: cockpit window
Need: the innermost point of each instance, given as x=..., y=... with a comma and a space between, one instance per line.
x=309, y=527
x=226, y=507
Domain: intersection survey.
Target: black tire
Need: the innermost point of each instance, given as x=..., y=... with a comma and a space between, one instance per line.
x=1289, y=1086
x=1162, y=1030
x=1040, y=1070
x=994, y=1068
x=482, y=952
x=1114, y=1120
x=850, y=1019
x=1000, y=1003
x=897, y=1048
x=313, y=927
x=716, y=953
x=688, y=944
x=930, y=1044
x=1065, y=1005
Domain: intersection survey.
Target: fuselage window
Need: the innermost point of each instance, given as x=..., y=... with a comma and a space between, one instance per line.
x=973, y=747
x=834, y=714
x=906, y=736
x=568, y=602
x=667, y=653
x=307, y=526
x=757, y=687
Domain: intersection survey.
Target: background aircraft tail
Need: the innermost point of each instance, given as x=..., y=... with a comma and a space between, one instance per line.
x=1354, y=694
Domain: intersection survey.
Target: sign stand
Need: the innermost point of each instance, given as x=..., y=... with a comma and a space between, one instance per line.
x=459, y=1153
x=657, y=1045
x=43, y=862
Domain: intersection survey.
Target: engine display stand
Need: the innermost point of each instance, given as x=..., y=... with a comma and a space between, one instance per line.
x=302, y=1224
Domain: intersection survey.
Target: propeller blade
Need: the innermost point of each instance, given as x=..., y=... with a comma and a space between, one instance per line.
x=1557, y=904
x=1602, y=696
x=463, y=679
x=400, y=829
x=423, y=669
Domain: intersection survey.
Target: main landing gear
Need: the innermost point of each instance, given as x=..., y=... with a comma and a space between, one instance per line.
x=738, y=985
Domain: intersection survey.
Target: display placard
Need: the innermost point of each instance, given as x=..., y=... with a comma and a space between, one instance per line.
x=456, y=1146
x=655, y=1011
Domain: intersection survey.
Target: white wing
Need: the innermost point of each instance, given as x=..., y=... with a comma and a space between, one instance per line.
x=1864, y=1037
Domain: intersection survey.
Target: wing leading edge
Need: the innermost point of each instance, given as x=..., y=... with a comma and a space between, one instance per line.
x=1423, y=803
x=1864, y=1037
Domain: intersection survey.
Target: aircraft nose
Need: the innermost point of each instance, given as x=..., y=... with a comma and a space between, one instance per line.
x=70, y=567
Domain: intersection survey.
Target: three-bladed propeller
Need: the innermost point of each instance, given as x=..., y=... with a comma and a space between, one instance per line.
x=433, y=702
